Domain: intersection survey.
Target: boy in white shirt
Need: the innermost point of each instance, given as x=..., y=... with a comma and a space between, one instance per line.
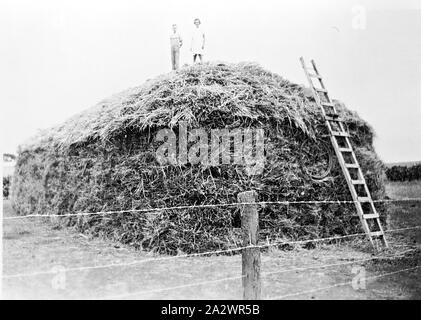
x=198, y=42
x=176, y=43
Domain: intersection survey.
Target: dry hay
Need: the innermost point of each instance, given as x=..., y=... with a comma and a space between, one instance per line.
x=104, y=159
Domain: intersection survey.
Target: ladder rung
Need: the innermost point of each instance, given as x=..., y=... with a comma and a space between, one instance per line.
x=357, y=181
x=320, y=90
x=345, y=149
x=333, y=117
x=315, y=75
x=340, y=134
x=377, y=234
x=352, y=165
x=327, y=104
x=364, y=199
x=371, y=216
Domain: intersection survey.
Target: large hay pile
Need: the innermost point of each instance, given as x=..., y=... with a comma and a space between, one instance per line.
x=104, y=159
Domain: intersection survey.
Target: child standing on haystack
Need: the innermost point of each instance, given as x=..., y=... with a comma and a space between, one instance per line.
x=198, y=42
x=176, y=43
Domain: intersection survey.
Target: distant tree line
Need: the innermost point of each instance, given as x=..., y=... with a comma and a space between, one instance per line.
x=402, y=173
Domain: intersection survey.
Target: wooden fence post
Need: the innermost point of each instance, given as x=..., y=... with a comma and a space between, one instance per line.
x=251, y=256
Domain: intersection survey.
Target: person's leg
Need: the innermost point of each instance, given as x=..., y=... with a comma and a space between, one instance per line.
x=177, y=58
x=194, y=58
x=172, y=58
x=201, y=58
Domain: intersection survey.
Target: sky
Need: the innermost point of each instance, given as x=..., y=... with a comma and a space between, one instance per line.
x=61, y=57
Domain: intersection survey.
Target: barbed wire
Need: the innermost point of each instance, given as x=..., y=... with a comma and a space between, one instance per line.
x=340, y=263
x=135, y=262
x=144, y=292
x=172, y=288
x=154, y=210
x=340, y=284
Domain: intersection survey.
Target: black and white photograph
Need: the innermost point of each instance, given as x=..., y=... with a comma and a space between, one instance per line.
x=211, y=155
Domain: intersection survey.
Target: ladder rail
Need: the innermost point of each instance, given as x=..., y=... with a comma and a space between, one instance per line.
x=315, y=95
x=354, y=194
x=313, y=63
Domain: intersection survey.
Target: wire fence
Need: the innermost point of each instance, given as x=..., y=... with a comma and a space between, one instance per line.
x=341, y=284
x=148, y=292
x=225, y=251
x=207, y=253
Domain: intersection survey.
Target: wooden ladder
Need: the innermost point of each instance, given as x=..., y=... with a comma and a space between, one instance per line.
x=351, y=169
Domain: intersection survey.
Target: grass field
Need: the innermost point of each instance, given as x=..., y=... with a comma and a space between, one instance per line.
x=406, y=189
x=32, y=245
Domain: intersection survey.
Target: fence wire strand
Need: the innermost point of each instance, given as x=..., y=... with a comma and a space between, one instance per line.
x=263, y=274
x=340, y=284
x=157, y=211
x=125, y=295
x=135, y=262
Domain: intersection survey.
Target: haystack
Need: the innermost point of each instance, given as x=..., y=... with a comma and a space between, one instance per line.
x=104, y=159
